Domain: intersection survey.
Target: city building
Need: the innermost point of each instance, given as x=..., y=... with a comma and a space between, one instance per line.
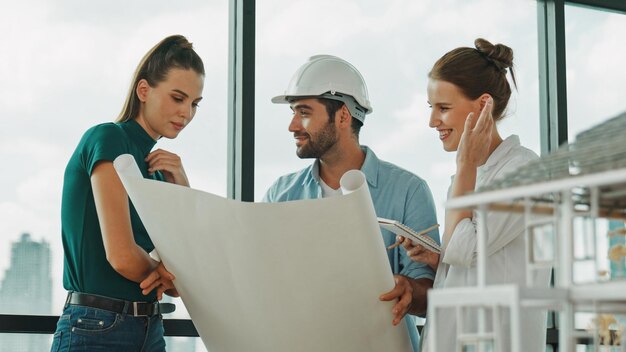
x=27, y=289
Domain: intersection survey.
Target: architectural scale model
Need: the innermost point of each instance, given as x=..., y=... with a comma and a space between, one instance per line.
x=567, y=198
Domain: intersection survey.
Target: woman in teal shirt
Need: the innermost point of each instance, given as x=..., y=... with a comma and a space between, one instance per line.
x=105, y=244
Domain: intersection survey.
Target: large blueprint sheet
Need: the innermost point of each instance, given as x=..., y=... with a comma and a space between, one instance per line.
x=294, y=276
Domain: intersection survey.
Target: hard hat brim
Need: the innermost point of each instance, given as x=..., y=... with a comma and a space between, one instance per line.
x=280, y=99
x=284, y=99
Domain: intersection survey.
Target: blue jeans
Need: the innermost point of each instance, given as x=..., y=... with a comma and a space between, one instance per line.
x=91, y=329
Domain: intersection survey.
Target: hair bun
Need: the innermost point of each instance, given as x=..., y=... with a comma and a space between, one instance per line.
x=183, y=43
x=500, y=55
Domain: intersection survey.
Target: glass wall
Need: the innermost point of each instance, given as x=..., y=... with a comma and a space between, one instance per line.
x=595, y=67
x=66, y=66
x=595, y=55
x=393, y=44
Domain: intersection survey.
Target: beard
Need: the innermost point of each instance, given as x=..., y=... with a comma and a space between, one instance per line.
x=318, y=143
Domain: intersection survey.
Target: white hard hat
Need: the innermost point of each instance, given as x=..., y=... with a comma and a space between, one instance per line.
x=330, y=77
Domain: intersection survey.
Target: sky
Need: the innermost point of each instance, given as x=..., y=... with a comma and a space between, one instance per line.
x=66, y=65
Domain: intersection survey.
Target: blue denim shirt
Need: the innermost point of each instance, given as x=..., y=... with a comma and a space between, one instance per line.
x=396, y=193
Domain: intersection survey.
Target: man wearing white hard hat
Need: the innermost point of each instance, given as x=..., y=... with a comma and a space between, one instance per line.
x=329, y=100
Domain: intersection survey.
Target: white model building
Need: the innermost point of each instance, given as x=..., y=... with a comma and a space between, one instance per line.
x=566, y=198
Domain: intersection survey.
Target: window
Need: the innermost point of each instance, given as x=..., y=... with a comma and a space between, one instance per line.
x=595, y=74
x=394, y=45
x=595, y=56
x=66, y=67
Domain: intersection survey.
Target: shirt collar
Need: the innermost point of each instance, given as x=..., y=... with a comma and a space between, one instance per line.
x=369, y=168
x=501, y=151
x=138, y=135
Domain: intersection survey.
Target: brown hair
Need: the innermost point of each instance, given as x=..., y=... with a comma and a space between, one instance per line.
x=478, y=71
x=332, y=106
x=172, y=52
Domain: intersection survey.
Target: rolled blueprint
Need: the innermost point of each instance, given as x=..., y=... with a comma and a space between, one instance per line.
x=282, y=277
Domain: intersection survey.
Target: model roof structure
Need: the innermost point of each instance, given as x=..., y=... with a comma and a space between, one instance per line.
x=599, y=149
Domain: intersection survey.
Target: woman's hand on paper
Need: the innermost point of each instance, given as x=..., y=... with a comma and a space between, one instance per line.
x=403, y=292
x=169, y=164
x=161, y=280
x=419, y=254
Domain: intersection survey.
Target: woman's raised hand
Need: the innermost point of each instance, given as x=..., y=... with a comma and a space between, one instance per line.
x=169, y=164
x=475, y=141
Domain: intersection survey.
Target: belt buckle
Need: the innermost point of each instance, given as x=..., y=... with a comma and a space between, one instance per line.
x=154, y=305
x=135, y=309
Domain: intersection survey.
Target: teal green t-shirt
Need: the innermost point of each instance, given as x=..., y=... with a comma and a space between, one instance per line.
x=86, y=268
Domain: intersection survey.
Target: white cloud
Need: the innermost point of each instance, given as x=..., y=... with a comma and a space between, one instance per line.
x=407, y=123
x=37, y=152
x=604, y=72
x=595, y=60
x=15, y=219
x=41, y=192
x=215, y=183
x=442, y=169
x=290, y=30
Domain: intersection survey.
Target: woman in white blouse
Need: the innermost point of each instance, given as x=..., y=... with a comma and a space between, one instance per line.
x=468, y=92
